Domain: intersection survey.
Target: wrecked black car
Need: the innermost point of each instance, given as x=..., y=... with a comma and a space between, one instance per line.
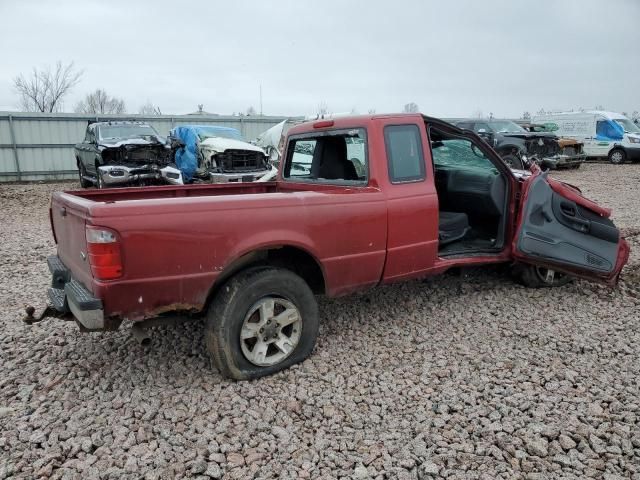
x=125, y=153
x=519, y=147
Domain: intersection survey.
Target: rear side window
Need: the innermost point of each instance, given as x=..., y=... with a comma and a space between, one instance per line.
x=404, y=153
x=338, y=157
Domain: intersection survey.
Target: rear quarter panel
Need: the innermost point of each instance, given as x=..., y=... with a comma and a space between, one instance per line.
x=174, y=249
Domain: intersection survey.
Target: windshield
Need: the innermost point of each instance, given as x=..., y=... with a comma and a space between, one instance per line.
x=125, y=131
x=628, y=125
x=505, y=126
x=459, y=153
x=231, y=133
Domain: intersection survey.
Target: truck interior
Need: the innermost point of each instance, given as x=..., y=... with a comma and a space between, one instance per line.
x=472, y=194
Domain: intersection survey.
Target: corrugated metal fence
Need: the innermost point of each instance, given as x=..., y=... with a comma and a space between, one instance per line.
x=39, y=146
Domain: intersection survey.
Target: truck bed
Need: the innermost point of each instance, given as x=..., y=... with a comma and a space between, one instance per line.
x=176, y=240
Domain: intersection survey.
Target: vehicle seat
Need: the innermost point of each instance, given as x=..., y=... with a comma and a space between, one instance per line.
x=334, y=164
x=452, y=226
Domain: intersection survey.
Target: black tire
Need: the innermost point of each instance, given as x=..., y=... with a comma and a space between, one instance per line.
x=84, y=183
x=617, y=156
x=99, y=180
x=230, y=309
x=536, y=277
x=513, y=161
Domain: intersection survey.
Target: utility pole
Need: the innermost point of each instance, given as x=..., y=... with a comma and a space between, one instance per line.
x=260, y=99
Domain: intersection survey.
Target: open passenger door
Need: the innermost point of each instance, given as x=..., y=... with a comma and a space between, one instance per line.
x=558, y=228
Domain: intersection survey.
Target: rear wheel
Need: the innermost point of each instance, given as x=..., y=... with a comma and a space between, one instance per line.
x=541, y=277
x=513, y=162
x=617, y=156
x=261, y=321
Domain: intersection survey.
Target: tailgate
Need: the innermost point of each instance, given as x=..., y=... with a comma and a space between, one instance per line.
x=68, y=218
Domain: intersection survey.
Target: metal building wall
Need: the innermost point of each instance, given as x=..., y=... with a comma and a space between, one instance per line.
x=39, y=146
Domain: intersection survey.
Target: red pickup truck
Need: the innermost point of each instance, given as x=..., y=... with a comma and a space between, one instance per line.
x=358, y=202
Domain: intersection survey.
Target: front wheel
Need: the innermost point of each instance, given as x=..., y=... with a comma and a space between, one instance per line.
x=261, y=321
x=100, y=180
x=617, y=156
x=513, y=161
x=540, y=277
x=84, y=183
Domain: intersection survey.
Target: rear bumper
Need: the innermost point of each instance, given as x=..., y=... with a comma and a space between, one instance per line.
x=67, y=295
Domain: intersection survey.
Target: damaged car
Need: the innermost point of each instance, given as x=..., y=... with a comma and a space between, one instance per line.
x=571, y=153
x=124, y=153
x=519, y=148
x=215, y=154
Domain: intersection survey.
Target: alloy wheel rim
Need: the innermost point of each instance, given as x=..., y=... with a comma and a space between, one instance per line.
x=271, y=331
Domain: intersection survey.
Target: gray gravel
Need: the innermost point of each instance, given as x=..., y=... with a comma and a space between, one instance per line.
x=459, y=377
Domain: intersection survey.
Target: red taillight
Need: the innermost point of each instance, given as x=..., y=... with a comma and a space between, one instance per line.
x=103, y=253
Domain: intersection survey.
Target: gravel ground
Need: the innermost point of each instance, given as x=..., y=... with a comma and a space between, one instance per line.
x=459, y=377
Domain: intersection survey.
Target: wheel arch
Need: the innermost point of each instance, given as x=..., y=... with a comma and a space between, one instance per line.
x=295, y=258
x=510, y=148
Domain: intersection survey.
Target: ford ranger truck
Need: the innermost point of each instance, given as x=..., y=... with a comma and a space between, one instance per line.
x=249, y=258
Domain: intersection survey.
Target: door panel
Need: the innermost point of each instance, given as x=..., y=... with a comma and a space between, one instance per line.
x=560, y=230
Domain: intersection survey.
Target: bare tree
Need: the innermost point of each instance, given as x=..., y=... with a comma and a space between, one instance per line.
x=251, y=111
x=149, y=109
x=635, y=115
x=323, y=109
x=100, y=102
x=372, y=111
x=45, y=89
x=526, y=116
x=411, y=108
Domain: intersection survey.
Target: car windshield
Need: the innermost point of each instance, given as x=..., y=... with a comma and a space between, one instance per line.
x=459, y=153
x=233, y=134
x=505, y=126
x=125, y=131
x=628, y=125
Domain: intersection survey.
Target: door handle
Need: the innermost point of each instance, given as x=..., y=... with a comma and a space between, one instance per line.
x=570, y=211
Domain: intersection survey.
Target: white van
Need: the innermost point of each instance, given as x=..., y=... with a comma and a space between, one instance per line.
x=605, y=134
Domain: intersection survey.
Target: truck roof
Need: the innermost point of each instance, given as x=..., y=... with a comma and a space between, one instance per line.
x=353, y=121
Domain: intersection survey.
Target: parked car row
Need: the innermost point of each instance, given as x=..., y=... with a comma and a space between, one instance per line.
x=519, y=146
x=134, y=153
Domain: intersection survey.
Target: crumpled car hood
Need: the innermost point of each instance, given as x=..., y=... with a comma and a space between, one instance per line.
x=220, y=144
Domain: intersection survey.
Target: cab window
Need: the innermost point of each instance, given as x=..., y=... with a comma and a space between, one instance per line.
x=338, y=157
x=404, y=153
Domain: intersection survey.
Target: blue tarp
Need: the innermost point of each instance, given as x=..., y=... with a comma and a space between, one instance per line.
x=191, y=135
x=609, y=130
